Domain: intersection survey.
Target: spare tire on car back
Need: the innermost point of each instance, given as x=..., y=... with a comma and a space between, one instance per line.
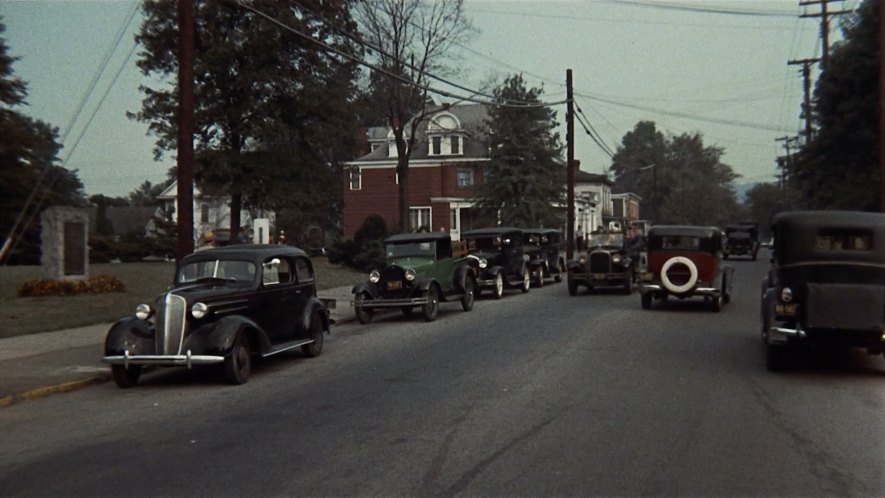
x=688, y=284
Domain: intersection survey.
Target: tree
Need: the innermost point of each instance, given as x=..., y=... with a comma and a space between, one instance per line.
x=525, y=175
x=683, y=179
x=412, y=39
x=30, y=179
x=838, y=169
x=147, y=193
x=764, y=201
x=271, y=105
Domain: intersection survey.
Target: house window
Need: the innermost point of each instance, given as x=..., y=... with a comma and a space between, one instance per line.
x=453, y=218
x=465, y=178
x=204, y=213
x=419, y=219
x=356, y=179
x=456, y=144
x=436, y=146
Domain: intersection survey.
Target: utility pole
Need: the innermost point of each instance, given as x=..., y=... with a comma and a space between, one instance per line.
x=824, y=24
x=882, y=105
x=570, y=166
x=785, y=162
x=185, y=173
x=806, y=84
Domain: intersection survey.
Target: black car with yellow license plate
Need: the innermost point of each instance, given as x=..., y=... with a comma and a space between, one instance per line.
x=226, y=306
x=741, y=240
x=607, y=262
x=421, y=270
x=826, y=285
x=546, y=258
x=501, y=259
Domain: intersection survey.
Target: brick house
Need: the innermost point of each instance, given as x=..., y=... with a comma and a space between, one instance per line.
x=445, y=166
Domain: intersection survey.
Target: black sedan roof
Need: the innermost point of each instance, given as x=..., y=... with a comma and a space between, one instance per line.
x=796, y=234
x=419, y=236
x=249, y=252
x=540, y=230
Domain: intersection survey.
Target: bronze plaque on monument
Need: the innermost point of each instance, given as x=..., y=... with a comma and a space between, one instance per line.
x=74, y=249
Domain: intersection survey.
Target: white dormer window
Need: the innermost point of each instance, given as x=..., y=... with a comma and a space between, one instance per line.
x=455, y=145
x=435, y=146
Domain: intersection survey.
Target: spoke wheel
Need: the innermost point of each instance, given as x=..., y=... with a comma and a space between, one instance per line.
x=499, y=286
x=431, y=307
x=126, y=377
x=364, y=315
x=469, y=294
x=526, y=280
x=238, y=364
x=315, y=348
x=541, y=276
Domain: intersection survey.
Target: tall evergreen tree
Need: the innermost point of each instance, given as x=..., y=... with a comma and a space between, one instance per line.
x=525, y=177
x=271, y=106
x=838, y=169
x=28, y=169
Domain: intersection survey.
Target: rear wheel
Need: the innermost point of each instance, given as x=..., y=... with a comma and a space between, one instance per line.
x=364, y=315
x=315, y=348
x=646, y=301
x=431, y=307
x=561, y=267
x=526, y=280
x=716, y=303
x=776, y=358
x=126, y=377
x=238, y=364
x=628, y=285
x=572, y=287
x=541, y=276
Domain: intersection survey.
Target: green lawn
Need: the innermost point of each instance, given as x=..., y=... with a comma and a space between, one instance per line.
x=28, y=315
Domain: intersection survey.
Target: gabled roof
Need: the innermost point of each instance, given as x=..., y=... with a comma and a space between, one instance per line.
x=584, y=177
x=473, y=127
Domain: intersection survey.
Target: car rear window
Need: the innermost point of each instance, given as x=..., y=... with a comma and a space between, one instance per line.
x=843, y=240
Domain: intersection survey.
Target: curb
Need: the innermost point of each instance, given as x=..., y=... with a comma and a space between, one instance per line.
x=64, y=387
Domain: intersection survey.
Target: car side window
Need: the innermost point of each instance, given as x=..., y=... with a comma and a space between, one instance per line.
x=303, y=270
x=275, y=271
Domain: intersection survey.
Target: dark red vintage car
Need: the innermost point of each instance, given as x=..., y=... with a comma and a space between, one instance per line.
x=685, y=261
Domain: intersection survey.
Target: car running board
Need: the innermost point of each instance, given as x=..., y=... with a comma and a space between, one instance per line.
x=286, y=346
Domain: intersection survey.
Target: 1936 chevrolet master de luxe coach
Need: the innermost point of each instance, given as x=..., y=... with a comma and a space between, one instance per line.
x=826, y=286
x=227, y=304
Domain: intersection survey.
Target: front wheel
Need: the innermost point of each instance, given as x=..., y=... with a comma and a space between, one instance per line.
x=469, y=294
x=628, y=285
x=238, y=364
x=499, y=286
x=431, y=307
x=558, y=276
x=364, y=315
x=126, y=377
x=541, y=276
x=315, y=348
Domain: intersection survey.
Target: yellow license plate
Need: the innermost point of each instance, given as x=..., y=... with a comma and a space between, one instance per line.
x=785, y=309
x=598, y=276
x=396, y=284
x=645, y=276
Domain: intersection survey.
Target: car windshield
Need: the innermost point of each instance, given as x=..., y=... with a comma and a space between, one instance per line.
x=228, y=269
x=405, y=249
x=681, y=242
x=843, y=240
x=485, y=244
x=606, y=240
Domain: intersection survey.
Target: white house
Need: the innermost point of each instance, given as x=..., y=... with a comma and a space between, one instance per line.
x=212, y=214
x=593, y=201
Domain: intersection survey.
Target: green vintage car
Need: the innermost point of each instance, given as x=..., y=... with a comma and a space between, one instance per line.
x=422, y=269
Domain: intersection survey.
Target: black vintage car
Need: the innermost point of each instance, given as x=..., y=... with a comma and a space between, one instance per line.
x=826, y=286
x=421, y=269
x=226, y=305
x=501, y=259
x=606, y=262
x=546, y=259
x=741, y=240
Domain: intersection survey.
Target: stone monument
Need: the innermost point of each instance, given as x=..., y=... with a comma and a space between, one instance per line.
x=65, y=243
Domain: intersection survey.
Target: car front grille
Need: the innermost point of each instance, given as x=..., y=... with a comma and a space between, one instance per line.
x=600, y=262
x=170, y=324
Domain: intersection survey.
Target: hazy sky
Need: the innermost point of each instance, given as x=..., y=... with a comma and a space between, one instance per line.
x=714, y=67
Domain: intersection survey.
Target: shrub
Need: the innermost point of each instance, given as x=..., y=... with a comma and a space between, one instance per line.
x=95, y=285
x=366, y=250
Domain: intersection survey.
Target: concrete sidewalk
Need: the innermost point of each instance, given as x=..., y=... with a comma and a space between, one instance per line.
x=37, y=365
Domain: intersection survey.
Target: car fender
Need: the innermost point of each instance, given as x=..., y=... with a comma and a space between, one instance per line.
x=537, y=263
x=218, y=338
x=132, y=334
x=314, y=305
x=574, y=267
x=365, y=287
x=461, y=275
x=425, y=283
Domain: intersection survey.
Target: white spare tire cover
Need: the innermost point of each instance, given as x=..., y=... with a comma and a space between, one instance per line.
x=692, y=278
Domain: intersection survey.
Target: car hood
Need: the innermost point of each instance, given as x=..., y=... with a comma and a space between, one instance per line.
x=201, y=291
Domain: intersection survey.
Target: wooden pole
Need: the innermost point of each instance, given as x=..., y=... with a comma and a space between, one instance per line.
x=185, y=172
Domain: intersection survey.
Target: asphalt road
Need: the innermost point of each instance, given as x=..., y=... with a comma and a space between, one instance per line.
x=538, y=394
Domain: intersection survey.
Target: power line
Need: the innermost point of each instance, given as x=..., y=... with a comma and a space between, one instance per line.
x=702, y=9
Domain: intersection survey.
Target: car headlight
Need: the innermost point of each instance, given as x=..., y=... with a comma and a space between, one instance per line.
x=786, y=294
x=143, y=311
x=582, y=260
x=616, y=258
x=375, y=276
x=483, y=263
x=410, y=274
x=199, y=310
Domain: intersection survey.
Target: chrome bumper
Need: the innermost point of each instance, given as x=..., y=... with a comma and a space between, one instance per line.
x=697, y=291
x=176, y=360
x=391, y=303
x=781, y=335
